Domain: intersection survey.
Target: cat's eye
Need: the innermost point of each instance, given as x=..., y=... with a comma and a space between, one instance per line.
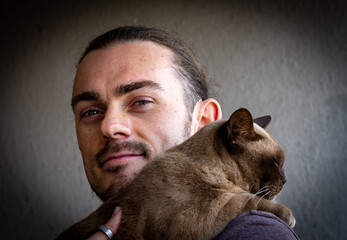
x=276, y=163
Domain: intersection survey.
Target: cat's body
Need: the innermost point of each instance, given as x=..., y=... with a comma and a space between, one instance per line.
x=194, y=189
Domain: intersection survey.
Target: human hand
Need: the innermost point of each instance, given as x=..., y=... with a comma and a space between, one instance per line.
x=112, y=224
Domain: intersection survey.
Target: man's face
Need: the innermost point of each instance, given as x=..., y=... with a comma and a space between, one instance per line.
x=129, y=106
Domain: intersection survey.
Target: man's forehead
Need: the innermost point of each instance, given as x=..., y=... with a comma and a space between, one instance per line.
x=135, y=58
x=122, y=53
x=125, y=67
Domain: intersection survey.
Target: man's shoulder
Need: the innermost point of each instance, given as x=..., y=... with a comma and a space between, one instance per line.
x=257, y=225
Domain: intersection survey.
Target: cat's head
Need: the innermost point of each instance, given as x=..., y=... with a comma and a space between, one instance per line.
x=257, y=154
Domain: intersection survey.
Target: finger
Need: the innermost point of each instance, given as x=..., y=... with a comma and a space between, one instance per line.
x=112, y=224
x=115, y=220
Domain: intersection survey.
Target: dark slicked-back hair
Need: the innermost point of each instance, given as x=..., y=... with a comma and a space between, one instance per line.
x=185, y=63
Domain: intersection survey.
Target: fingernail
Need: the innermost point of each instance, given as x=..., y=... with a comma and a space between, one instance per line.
x=115, y=212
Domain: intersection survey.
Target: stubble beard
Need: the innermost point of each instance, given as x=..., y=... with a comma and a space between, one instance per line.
x=117, y=173
x=123, y=180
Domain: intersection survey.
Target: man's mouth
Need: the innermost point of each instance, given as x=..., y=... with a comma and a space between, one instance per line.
x=119, y=154
x=118, y=159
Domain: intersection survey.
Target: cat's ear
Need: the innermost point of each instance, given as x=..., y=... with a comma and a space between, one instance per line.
x=263, y=121
x=240, y=124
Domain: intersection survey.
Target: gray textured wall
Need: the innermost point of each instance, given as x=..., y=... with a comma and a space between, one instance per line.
x=284, y=58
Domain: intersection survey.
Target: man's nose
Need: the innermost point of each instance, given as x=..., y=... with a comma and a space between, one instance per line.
x=115, y=125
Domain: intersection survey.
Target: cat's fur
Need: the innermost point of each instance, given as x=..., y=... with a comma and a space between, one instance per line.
x=194, y=189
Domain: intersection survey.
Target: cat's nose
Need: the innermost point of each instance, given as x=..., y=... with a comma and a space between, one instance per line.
x=283, y=176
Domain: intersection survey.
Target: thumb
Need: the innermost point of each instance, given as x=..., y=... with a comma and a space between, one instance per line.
x=113, y=224
x=114, y=221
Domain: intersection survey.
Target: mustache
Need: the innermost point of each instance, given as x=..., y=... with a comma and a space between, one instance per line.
x=131, y=146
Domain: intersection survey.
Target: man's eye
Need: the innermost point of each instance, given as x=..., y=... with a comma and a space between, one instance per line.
x=140, y=105
x=142, y=102
x=90, y=113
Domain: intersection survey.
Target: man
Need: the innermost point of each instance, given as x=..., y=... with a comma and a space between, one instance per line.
x=137, y=92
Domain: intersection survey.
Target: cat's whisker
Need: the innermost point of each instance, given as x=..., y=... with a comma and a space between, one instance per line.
x=289, y=148
x=263, y=189
x=259, y=192
x=251, y=197
x=263, y=197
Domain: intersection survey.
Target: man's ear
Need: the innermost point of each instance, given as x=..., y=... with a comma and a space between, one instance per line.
x=205, y=112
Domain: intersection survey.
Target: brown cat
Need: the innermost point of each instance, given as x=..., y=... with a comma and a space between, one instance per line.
x=194, y=189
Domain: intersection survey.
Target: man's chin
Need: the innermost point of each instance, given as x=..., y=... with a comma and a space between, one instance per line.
x=114, y=169
x=118, y=181
x=116, y=178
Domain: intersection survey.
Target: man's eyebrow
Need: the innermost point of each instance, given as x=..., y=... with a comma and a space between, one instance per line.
x=127, y=88
x=119, y=91
x=84, y=96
